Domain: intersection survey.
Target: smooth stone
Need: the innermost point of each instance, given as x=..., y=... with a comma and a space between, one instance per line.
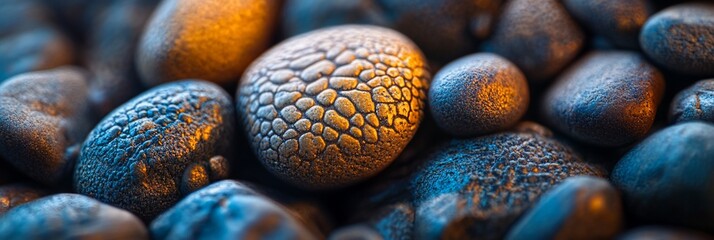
x=540, y=37
x=228, y=210
x=619, y=21
x=478, y=94
x=667, y=178
x=476, y=188
x=580, y=207
x=70, y=216
x=695, y=103
x=606, y=98
x=162, y=145
x=681, y=38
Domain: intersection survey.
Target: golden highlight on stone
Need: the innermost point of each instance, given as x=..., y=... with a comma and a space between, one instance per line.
x=334, y=106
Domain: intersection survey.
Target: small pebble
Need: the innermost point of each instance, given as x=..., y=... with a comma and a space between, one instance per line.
x=667, y=178
x=228, y=210
x=160, y=146
x=13, y=195
x=476, y=188
x=605, y=99
x=44, y=117
x=695, y=103
x=681, y=38
x=70, y=216
x=478, y=94
x=580, y=207
x=619, y=21
x=540, y=37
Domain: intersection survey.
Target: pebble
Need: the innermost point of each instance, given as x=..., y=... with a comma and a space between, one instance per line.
x=605, y=99
x=619, y=21
x=44, y=117
x=13, y=195
x=695, y=103
x=70, y=216
x=663, y=233
x=475, y=188
x=540, y=37
x=212, y=40
x=667, y=178
x=354, y=130
x=681, y=38
x=580, y=207
x=232, y=210
x=160, y=146
x=478, y=94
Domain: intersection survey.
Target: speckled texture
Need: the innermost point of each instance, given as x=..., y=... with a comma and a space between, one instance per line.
x=29, y=41
x=13, y=195
x=605, y=99
x=667, y=178
x=580, y=207
x=70, y=216
x=619, y=21
x=430, y=23
x=663, y=233
x=478, y=94
x=695, y=103
x=214, y=40
x=228, y=210
x=476, y=188
x=44, y=118
x=681, y=38
x=538, y=36
x=334, y=106
x=158, y=147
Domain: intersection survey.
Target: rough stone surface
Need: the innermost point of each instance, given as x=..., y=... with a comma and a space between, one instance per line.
x=619, y=21
x=44, y=118
x=695, y=103
x=70, y=216
x=213, y=40
x=334, y=106
x=681, y=38
x=13, y=195
x=228, y=210
x=606, y=98
x=667, y=178
x=158, y=147
x=478, y=94
x=476, y=188
x=540, y=37
x=580, y=207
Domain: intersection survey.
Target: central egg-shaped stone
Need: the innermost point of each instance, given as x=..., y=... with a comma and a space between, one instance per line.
x=334, y=106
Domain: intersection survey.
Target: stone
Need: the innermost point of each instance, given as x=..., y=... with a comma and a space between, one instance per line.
x=695, y=103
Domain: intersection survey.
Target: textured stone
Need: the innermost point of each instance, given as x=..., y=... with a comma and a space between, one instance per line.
x=44, y=117
x=619, y=21
x=478, y=94
x=70, y=216
x=667, y=178
x=606, y=98
x=681, y=38
x=13, y=195
x=340, y=147
x=695, y=103
x=145, y=163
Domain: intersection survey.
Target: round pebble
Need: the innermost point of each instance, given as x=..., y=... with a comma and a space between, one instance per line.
x=70, y=216
x=335, y=106
x=160, y=146
x=13, y=195
x=605, y=99
x=580, y=207
x=619, y=21
x=667, y=178
x=695, y=103
x=478, y=94
x=233, y=211
x=44, y=117
x=214, y=40
x=681, y=38
x=540, y=37
x=476, y=188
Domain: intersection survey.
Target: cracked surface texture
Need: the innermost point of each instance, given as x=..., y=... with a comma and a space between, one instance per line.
x=334, y=106
x=694, y=103
x=158, y=147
